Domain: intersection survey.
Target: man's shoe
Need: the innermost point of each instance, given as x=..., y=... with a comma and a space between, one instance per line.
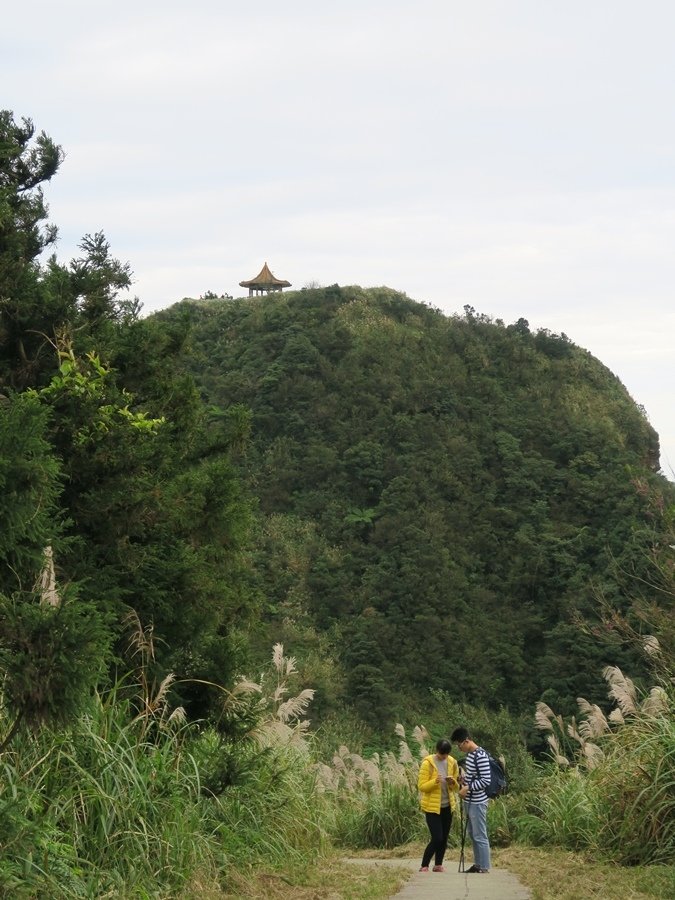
x=438, y=869
x=424, y=868
x=473, y=868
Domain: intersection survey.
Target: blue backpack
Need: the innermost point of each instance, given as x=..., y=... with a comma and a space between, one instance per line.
x=498, y=782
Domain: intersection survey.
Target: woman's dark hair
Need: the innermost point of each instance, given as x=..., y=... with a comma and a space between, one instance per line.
x=443, y=746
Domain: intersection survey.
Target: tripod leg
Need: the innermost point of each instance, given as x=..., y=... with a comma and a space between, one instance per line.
x=464, y=821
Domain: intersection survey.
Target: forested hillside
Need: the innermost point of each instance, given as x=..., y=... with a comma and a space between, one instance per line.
x=440, y=498
x=394, y=501
x=408, y=501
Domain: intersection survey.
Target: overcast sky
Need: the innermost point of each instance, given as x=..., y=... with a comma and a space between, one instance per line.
x=517, y=156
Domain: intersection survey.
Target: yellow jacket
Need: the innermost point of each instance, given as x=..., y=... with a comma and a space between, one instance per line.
x=430, y=789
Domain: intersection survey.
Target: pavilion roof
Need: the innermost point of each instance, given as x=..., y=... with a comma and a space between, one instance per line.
x=264, y=278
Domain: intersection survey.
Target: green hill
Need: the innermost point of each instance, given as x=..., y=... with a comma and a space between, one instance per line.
x=439, y=498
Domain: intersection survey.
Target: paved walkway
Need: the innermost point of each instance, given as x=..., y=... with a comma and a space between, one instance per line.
x=497, y=884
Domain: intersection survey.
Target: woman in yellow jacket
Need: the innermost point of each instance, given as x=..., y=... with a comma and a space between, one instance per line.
x=438, y=783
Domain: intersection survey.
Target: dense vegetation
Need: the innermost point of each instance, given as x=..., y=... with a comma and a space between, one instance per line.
x=439, y=497
x=444, y=519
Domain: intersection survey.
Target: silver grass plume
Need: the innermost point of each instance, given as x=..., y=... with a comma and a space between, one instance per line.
x=656, y=703
x=616, y=717
x=544, y=717
x=651, y=646
x=47, y=581
x=595, y=723
x=573, y=731
x=621, y=689
x=295, y=707
x=421, y=736
x=555, y=747
x=593, y=754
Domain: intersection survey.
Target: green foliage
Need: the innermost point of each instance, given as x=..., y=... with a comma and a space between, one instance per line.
x=122, y=816
x=501, y=733
x=423, y=505
x=107, y=453
x=51, y=657
x=561, y=811
x=30, y=485
x=636, y=782
x=440, y=470
x=615, y=794
x=387, y=819
x=26, y=161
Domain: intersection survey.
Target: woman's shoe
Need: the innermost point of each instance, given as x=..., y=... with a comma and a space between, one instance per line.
x=424, y=868
x=438, y=869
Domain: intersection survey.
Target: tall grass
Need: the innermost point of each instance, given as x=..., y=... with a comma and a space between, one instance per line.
x=373, y=801
x=614, y=795
x=130, y=801
x=116, y=805
x=636, y=782
x=94, y=811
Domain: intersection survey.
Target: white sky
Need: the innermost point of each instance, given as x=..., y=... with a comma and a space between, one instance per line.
x=514, y=155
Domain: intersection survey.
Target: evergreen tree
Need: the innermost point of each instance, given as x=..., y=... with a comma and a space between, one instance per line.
x=119, y=467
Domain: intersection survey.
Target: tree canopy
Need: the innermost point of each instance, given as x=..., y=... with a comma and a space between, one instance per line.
x=109, y=463
x=440, y=497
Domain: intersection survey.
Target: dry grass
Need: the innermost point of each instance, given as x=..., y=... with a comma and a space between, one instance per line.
x=570, y=876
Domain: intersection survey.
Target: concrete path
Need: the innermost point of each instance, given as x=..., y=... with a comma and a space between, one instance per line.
x=497, y=884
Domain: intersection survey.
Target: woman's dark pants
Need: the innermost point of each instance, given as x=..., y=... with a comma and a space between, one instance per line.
x=439, y=829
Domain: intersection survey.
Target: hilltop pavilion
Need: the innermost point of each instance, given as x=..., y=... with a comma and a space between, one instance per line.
x=264, y=282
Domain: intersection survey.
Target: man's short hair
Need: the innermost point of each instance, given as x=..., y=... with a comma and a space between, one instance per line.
x=459, y=735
